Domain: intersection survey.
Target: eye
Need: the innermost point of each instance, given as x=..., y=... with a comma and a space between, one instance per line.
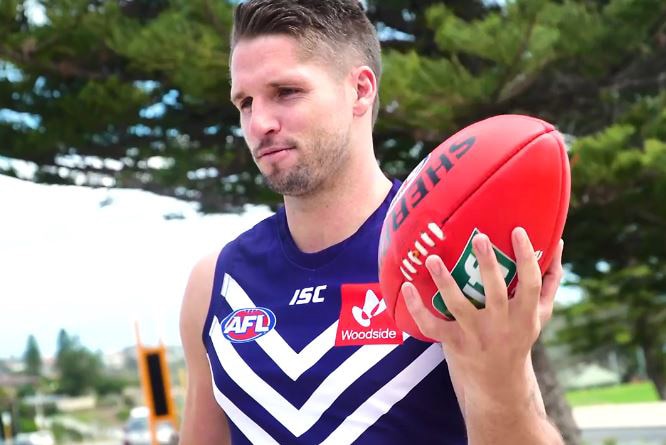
x=245, y=103
x=284, y=92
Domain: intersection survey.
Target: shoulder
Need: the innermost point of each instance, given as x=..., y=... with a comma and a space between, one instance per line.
x=197, y=294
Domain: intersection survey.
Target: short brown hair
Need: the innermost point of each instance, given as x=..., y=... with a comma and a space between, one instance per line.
x=335, y=25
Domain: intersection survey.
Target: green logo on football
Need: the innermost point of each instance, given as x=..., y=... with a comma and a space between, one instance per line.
x=468, y=276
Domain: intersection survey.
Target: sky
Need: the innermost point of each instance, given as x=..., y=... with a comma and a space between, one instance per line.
x=68, y=262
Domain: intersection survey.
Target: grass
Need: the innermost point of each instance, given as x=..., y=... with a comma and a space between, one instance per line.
x=104, y=416
x=627, y=393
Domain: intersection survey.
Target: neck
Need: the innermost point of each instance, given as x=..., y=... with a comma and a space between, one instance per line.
x=339, y=208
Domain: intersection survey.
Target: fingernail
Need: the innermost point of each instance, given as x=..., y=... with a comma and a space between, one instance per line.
x=483, y=243
x=434, y=265
x=519, y=235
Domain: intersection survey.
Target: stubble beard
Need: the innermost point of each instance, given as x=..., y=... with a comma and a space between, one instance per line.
x=327, y=154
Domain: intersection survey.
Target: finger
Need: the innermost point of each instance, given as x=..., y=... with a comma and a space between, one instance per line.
x=528, y=290
x=553, y=276
x=496, y=297
x=430, y=326
x=551, y=282
x=460, y=307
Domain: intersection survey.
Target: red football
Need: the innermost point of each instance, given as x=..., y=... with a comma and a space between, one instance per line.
x=503, y=172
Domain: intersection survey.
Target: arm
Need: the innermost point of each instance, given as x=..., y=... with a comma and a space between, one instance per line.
x=491, y=420
x=488, y=351
x=203, y=419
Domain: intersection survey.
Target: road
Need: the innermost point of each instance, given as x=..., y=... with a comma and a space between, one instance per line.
x=630, y=424
x=626, y=436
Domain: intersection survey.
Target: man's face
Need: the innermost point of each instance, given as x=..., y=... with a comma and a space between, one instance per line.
x=295, y=114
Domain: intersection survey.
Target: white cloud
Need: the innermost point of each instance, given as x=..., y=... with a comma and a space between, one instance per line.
x=66, y=262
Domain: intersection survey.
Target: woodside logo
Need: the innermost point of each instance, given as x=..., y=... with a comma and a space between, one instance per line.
x=363, y=317
x=371, y=307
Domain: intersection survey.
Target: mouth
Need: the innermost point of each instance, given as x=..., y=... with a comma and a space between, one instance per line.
x=272, y=151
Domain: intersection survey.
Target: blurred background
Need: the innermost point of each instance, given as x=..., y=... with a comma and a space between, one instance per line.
x=122, y=162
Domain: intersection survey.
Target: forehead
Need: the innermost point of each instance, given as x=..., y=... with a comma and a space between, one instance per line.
x=268, y=59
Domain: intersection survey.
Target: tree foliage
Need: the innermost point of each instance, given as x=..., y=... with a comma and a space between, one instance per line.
x=32, y=357
x=131, y=93
x=619, y=219
x=135, y=93
x=79, y=369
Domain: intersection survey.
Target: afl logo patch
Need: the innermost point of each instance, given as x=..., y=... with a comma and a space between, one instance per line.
x=244, y=325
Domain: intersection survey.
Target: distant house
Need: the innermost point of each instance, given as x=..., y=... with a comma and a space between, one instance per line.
x=17, y=366
x=62, y=403
x=15, y=381
x=588, y=376
x=14, y=365
x=125, y=359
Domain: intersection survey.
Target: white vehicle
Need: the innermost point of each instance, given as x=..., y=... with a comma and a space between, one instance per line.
x=36, y=438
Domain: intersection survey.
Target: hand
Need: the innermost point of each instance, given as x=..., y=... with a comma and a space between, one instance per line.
x=491, y=347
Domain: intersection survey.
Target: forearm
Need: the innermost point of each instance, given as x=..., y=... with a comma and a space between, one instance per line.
x=510, y=411
x=521, y=421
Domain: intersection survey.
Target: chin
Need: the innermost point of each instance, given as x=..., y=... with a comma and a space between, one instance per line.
x=291, y=186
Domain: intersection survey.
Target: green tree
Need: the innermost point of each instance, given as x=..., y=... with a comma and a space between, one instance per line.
x=63, y=344
x=618, y=213
x=32, y=357
x=135, y=93
x=111, y=384
x=79, y=369
x=5, y=398
x=131, y=94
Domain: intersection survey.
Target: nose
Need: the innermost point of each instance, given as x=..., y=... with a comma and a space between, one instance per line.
x=263, y=120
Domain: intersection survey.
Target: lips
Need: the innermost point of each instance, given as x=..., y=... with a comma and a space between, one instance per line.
x=271, y=150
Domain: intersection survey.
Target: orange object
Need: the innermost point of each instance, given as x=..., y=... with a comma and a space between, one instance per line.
x=156, y=385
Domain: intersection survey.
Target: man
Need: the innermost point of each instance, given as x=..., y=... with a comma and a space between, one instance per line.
x=273, y=326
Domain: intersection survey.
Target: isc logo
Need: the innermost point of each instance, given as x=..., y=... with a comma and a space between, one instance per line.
x=307, y=295
x=248, y=324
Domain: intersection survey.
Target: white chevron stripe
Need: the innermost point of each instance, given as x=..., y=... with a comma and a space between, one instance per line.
x=296, y=420
x=225, y=284
x=387, y=396
x=252, y=431
x=292, y=363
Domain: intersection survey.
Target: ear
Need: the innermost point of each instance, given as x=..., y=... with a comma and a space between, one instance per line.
x=365, y=84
